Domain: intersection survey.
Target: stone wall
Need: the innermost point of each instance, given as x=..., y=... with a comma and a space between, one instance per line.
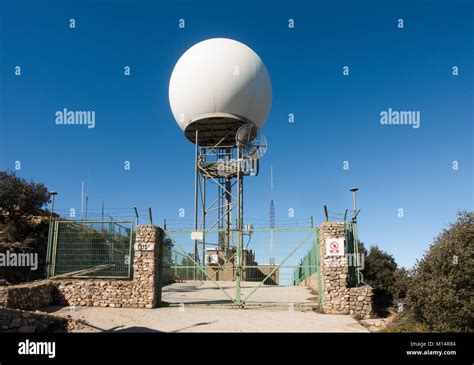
x=28, y=296
x=14, y=320
x=143, y=291
x=360, y=301
x=97, y=293
x=337, y=296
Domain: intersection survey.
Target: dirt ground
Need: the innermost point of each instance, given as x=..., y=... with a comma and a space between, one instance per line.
x=207, y=319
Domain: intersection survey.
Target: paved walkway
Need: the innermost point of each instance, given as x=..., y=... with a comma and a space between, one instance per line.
x=207, y=292
x=201, y=319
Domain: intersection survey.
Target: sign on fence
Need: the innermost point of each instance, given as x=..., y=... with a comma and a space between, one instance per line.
x=197, y=235
x=335, y=247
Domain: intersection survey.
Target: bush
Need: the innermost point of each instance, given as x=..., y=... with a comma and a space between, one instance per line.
x=440, y=293
x=18, y=199
x=401, y=281
x=406, y=322
x=379, y=273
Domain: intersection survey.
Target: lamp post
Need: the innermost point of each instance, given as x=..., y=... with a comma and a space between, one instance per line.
x=53, y=194
x=354, y=191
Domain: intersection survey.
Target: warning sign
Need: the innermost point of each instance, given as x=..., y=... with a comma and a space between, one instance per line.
x=335, y=247
x=197, y=235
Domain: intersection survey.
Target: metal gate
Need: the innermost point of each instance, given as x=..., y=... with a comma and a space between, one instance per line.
x=277, y=266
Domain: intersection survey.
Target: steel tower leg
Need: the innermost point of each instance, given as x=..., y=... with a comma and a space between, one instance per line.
x=228, y=215
x=196, y=188
x=204, y=212
x=238, y=275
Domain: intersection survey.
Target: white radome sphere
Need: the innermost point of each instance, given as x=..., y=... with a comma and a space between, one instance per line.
x=218, y=82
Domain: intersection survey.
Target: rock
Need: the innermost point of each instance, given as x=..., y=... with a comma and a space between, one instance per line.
x=26, y=329
x=15, y=322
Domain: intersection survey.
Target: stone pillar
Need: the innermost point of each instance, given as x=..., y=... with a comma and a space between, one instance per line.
x=337, y=296
x=333, y=272
x=147, y=265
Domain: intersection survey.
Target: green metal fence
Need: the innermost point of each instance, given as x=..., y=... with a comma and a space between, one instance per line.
x=177, y=265
x=308, y=266
x=268, y=261
x=86, y=249
x=355, y=276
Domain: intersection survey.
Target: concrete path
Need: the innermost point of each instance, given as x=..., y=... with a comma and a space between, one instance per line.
x=207, y=292
x=199, y=319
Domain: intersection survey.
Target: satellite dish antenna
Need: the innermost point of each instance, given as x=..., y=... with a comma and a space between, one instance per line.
x=251, y=141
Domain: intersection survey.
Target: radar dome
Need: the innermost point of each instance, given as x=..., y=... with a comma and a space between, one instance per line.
x=216, y=86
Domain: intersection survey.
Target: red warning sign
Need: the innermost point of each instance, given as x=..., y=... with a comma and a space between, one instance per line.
x=335, y=247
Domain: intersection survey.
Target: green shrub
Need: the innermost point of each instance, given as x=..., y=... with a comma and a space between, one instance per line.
x=18, y=199
x=401, y=281
x=379, y=273
x=406, y=322
x=440, y=293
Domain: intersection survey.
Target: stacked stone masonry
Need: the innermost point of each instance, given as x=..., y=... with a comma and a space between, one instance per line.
x=142, y=291
x=28, y=296
x=14, y=320
x=337, y=296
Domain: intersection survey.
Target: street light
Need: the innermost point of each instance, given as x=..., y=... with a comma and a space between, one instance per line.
x=53, y=194
x=354, y=191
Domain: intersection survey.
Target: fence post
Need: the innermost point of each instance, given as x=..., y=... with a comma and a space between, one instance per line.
x=318, y=268
x=151, y=217
x=136, y=214
x=48, y=250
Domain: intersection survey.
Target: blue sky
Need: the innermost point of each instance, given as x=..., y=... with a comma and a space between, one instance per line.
x=337, y=118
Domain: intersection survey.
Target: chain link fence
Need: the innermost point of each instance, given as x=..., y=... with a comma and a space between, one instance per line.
x=90, y=249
